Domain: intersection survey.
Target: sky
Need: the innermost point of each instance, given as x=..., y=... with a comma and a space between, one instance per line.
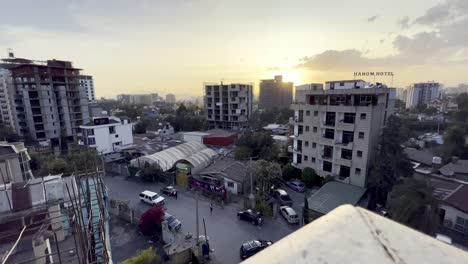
x=174, y=46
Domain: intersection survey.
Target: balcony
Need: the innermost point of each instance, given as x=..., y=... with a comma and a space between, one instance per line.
x=345, y=126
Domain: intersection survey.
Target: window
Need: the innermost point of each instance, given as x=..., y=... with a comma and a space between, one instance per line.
x=344, y=171
x=461, y=225
x=313, y=160
x=359, y=153
x=300, y=130
x=306, y=158
x=315, y=113
x=230, y=184
x=90, y=132
x=91, y=141
x=349, y=118
x=112, y=129
x=306, y=143
x=307, y=113
x=116, y=135
x=361, y=135
x=341, y=83
x=329, y=133
x=357, y=171
x=327, y=166
x=327, y=152
x=346, y=154
x=307, y=129
x=348, y=137
x=314, y=145
x=330, y=119
x=363, y=116
x=315, y=129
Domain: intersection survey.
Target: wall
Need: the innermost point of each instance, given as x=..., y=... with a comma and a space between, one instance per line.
x=235, y=189
x=451, y=214
x=10, y=169
x=190, y=138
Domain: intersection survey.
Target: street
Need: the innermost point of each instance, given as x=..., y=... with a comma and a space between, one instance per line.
x=225, y=231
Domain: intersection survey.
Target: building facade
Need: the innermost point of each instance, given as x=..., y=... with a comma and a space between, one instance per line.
x=336, y=131
x=170, y=98
x=45, y=98
x=6, y=99
x=275, y=93
x=422, y=93
x=228, y=106
x=107, y=134
x=86, y=81
x=14, y=163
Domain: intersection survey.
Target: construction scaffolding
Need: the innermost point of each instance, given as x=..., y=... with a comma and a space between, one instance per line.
x=70, y=226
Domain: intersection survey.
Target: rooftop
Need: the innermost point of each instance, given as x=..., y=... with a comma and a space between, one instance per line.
x=353, y=233
x=334, y=194
x=458, y=198
x=228, y=168
x=452, y=168
x=420, y=156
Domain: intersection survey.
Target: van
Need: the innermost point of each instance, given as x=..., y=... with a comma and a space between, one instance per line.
x=151, y=198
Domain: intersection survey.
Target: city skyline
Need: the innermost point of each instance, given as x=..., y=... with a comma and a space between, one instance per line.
x=176, y=46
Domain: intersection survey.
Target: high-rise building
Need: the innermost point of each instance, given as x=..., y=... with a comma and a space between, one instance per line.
x=146, y=99
x=275, y=93
x=6, y=99
x=170, y=98
x=45, y=98
x=336, y=130
x=422, y=93
x=228, y=106
x=86, y=81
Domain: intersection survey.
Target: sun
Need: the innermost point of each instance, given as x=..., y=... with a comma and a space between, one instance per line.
x=291, y=75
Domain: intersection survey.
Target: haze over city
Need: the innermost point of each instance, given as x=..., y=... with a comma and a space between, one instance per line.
x=175, y=46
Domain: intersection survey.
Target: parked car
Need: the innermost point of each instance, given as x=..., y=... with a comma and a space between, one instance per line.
x=151, y=198
x=251, y=216
x=289, y=214
x=169, y=190
x=296, y=185
x=172, y=222
x=250, y=248
x=282, y=197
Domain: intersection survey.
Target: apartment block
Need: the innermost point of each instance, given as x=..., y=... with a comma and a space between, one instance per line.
x=275, y=93
x=170, y=98
x=228, y=106
x=422, y=93
x=6, y=99
x=45, y=98
x=86, y=81
x=336, y=130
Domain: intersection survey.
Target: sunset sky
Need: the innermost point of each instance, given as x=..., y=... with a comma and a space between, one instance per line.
x=176, y=45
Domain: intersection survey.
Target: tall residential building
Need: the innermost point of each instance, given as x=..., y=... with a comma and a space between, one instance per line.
x=6, y=99
x=228, y=106
x=422, y=93
x=86, y=81
x=146, y=99
x=170, y=98
x=275, y=93
x=336, y=130
x=45, y=98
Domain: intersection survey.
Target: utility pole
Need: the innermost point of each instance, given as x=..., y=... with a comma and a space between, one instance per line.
x=196, y=215
x=251, y=195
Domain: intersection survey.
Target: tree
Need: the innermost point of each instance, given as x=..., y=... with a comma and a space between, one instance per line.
x=411, y=202
x=149, y=172
x=181, y=110
x=310, y=177
x=261, y=144
x=265, y=176
x=147, y=256
x=7, y=134
x=150, y=221
x=141, y=126
x=242, y=153
x=390, y=163
x=290, y=172
x=430, y=111
x=454, y=142
x=462, y=102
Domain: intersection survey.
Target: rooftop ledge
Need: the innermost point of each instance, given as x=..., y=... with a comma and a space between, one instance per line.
x=355, y=235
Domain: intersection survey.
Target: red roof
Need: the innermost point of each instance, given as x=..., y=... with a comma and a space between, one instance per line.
x=459, y=198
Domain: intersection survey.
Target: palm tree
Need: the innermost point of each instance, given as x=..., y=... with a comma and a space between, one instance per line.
x=411, y=202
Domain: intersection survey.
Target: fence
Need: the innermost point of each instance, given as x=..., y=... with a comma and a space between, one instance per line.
x=121, y=210
x=117, y=169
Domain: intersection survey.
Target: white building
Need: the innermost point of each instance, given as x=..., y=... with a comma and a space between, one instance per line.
x=107, y=134
x=170, y=98
x=422, y=93
x=336, y=131
x=86, y=81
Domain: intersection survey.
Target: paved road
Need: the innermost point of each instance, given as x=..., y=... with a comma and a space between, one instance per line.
x=225, y=231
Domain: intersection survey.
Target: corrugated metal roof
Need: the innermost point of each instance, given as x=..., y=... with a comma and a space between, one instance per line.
x=334, y=194
x=197, y=154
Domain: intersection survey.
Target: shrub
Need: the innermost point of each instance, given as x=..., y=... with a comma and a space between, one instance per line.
x=310, y=177
x=290, y=172
x=147, y=256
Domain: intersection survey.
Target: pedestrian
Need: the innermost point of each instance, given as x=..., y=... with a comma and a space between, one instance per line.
x=211, y=207
x=176, y=195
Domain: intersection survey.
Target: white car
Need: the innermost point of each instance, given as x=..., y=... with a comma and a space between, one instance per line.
x=289, y=214
x=151, y=198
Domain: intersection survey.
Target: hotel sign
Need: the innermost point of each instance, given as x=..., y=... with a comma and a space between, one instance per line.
x=357, y=74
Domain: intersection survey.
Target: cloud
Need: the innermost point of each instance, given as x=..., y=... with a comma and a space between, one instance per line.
x=403, y=22
x=372, y=19
x=382, y=41
x=445, y=12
